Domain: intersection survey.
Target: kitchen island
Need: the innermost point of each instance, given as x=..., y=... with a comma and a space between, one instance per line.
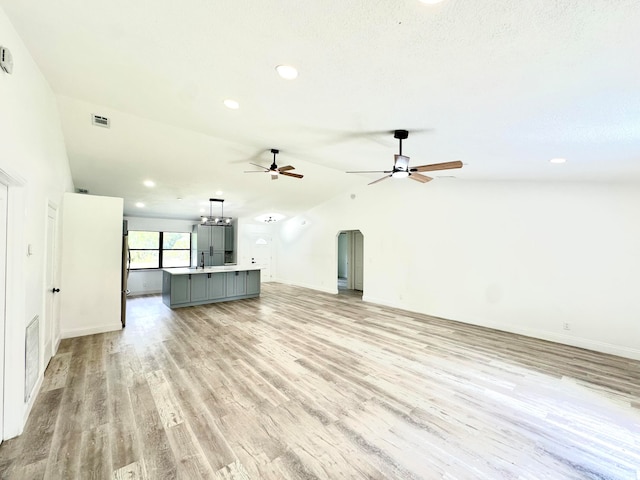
x=184, y=287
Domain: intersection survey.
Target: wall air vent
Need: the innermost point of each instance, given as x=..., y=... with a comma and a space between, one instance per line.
x=100, y=121
x=82, y=190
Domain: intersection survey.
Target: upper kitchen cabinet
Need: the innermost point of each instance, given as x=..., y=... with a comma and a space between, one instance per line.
x=230, y=244
x=213, y=245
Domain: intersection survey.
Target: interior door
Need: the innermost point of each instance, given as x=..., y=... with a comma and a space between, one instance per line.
x=50, y=323
x=3, y=265
x=261, y=253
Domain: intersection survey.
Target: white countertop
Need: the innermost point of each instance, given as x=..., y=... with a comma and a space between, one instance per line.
x=222, y=268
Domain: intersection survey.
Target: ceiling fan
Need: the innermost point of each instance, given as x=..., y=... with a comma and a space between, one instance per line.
x=401, y=167
x=274, y=170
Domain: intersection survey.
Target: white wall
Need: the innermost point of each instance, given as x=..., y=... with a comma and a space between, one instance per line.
x=91, y=264
x=520, y=257
x=34, y=162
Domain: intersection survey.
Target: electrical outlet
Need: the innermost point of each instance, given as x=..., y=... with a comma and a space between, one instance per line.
x=566, y=326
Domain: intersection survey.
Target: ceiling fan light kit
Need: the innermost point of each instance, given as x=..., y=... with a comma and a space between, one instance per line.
x=269, y=217
x=274, y=170
x=401, y=167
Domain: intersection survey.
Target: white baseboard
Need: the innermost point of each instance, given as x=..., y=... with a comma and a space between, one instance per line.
x=580, y=342
x=143, y=292
x=29, y=405
x=563, y=339
x=384, y=303
x=81, y=332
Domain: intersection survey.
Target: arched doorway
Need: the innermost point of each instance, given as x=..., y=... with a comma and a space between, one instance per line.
x=350, y=261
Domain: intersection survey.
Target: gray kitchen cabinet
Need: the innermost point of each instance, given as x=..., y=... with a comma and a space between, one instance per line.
x=183, y=287
x=202, y=237
x=229, y=234
x=210, y=244
x=198, y=288
x=217, y=258
x=180, y=291
x=253, y=282
x=236, y=284
x=216, y=285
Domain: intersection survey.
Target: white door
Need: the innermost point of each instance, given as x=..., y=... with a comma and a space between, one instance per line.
x=261, y=252
x=3, y=285
x=51, y=325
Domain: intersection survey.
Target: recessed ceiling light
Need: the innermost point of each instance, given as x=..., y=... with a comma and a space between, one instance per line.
x=232, y=104
x=140, y=205
x=219, y=192
x=149, y=183
x=287, y=72
x=558, y=160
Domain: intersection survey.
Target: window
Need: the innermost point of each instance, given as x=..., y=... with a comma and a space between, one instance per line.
x=159, y=249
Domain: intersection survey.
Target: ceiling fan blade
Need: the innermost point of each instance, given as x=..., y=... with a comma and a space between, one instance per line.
x=371, y=171
x=256, y=171
x=285, y=168
x=420, y=178
x=259, y=166
x=437, y=166
x=294, y=175
x=379, y=180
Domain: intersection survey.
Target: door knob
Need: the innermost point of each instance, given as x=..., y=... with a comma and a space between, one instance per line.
x=55, y=290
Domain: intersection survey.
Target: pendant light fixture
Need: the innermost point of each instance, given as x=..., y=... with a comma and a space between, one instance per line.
x=212, y=219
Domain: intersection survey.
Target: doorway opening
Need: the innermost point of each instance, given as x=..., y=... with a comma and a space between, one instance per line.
x=350, y=262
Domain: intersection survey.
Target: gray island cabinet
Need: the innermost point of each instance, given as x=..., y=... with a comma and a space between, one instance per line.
x=183, y=287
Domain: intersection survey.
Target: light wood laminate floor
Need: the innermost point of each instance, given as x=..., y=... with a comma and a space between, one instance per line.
x=299, y=384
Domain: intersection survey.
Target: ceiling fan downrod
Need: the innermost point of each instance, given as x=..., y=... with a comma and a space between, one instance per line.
x=401, y=135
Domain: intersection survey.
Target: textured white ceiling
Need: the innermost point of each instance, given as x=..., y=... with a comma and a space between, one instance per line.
x=503, y=86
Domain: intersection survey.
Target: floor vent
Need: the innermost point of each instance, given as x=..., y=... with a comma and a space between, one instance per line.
x=100, y=121
x=32, y=356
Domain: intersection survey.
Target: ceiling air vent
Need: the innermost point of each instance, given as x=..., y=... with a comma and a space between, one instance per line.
x=100, y=121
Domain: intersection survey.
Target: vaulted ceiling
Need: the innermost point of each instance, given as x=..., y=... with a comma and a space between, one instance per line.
x=503, y=86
